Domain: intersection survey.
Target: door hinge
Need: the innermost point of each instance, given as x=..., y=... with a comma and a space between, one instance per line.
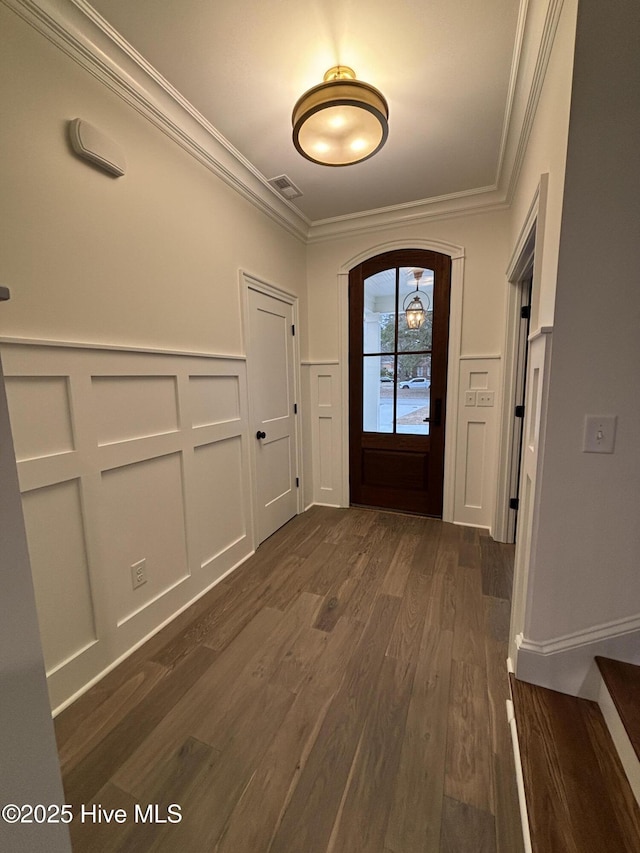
x=525, y=312
x=519, y=411
x=293, y=328
x=514, y=503
x=297, y=482
x=295, y=408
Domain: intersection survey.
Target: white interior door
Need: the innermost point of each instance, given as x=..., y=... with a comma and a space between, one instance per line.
x=272, y=410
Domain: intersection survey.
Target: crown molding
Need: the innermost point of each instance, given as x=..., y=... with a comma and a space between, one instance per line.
x=80, y=32
x=515, y=139
x=481, y=200
x=545, y=46
x=512, y=88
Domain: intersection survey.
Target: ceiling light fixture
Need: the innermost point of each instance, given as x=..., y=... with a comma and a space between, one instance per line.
x=341, y=121
x=415, y=312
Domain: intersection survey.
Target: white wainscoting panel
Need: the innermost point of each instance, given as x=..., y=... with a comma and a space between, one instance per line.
x=125, y=455
x=59, y=564
x=41, y=436
x=128, y=407
x=214, y=399
x=475, y=457
x=218, y=482
x=326, y=426
x=143, y=502
x=476, y=451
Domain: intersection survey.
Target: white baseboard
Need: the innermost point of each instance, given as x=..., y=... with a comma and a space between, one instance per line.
x=85, y=687
x=320, y=503
x=524, y=816
x=476, y=526
x=566, y=663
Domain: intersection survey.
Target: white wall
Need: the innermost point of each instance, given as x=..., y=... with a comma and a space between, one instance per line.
x=122, y=452
x=484, y=239
x=152, y=260
x=584, y=586
x=477, y=328
x=540, y=184
x=149, y=259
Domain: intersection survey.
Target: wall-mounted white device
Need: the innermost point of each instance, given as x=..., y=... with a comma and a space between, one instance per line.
x=91, y=144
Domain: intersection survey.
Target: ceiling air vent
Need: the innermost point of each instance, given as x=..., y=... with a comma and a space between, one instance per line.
x=285, y=187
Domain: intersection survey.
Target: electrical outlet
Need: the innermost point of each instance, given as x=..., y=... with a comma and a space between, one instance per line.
x=139, y=573
x=470, y=398
x=485, y=398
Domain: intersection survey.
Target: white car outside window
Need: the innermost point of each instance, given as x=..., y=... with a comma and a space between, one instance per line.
x=416, y=382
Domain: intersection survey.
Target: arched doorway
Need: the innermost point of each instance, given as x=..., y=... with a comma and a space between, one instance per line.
x=397, y=380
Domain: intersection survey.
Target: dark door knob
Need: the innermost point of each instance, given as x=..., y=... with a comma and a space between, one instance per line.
x=260, y=434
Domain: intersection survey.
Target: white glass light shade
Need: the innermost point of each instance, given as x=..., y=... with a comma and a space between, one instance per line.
x=341, y=121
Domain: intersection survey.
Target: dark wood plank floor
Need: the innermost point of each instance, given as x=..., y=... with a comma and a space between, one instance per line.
x=578, y=797
x=623, y=683
x=343, y=691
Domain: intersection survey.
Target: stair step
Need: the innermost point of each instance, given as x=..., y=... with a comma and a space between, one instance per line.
x=578, y=797
x=623, y=683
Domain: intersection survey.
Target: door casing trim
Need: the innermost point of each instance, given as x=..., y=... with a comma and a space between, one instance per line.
x=249, y=281
x=526, y=257
x=456, y=253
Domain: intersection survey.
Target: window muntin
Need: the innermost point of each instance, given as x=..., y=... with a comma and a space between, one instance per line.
x=396, y=360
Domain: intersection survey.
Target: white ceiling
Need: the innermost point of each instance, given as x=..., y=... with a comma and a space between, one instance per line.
x=444, y=66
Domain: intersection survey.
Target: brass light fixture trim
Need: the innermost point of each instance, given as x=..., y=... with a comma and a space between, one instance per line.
x=341, y=121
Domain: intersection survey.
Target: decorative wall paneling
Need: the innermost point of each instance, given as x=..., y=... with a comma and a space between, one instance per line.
x=476, y=440
x=125, y=456
x=475, y=437
x=326, y=438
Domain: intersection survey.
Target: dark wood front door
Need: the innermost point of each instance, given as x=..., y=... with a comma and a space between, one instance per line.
x=397, y=380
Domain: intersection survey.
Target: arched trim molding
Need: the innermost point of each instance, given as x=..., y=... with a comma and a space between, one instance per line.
x=456, y=253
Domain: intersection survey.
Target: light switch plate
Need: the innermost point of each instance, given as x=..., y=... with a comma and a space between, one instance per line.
x=469, y=398
x=599, y=433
